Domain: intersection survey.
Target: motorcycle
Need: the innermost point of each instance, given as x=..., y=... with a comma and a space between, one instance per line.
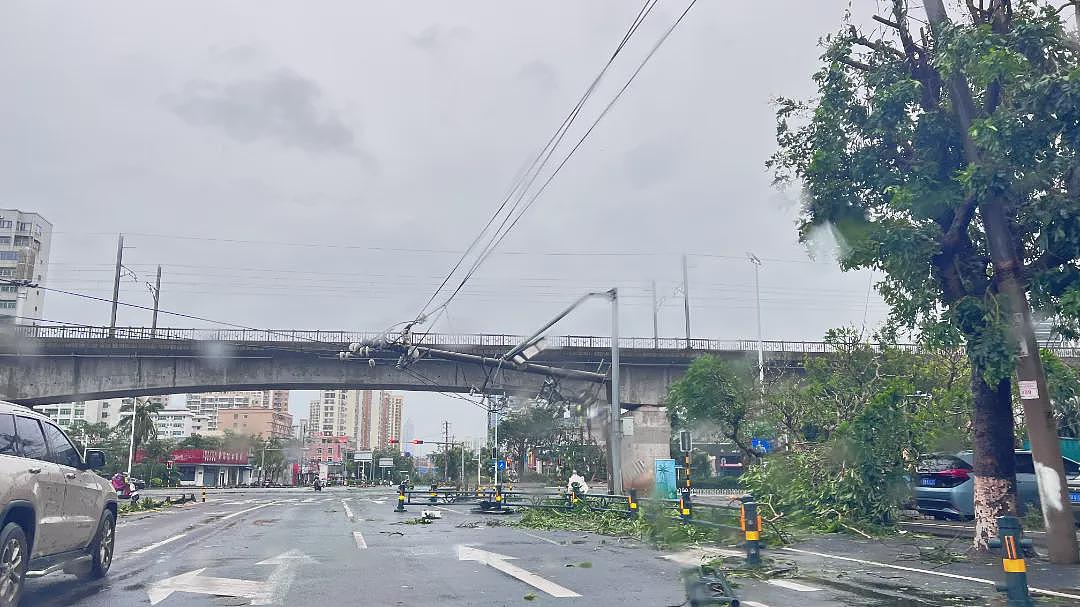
x=317, y=484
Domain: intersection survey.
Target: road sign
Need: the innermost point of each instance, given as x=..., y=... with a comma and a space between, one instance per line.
x=168, y=465
x=386, y=462
x=761, y=444
x=363, y=456
x=501, y=465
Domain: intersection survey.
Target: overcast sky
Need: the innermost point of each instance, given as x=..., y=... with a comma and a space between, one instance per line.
x=315, y=166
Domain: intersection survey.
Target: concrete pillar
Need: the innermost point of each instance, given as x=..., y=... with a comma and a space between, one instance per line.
x=651, y=440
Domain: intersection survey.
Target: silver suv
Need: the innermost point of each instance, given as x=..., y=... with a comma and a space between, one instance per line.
x=55, y=511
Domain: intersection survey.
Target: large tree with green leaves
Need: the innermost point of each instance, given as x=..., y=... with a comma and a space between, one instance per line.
x=715, y=396
x=143, y=418
x=946, y=158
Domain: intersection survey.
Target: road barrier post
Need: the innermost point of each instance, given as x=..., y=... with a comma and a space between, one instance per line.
x=400, y=498
x=750, y=522
x=434, y=493
x=1011, y=541
x=686, y=508
x=498, y=499
x=632, y=502
x=204, y=495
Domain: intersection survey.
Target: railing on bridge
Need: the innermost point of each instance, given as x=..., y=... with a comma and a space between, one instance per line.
x=336, y=338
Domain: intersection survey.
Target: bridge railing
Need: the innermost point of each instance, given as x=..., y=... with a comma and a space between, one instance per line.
x=1071, y=350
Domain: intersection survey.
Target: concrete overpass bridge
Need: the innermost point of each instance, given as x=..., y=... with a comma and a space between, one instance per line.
x=42, y=365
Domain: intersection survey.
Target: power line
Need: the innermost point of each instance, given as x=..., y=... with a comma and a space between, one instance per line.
x=498, y=238
x=541, y=158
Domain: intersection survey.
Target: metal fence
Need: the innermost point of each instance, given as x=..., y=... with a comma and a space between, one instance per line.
x=1070, y=350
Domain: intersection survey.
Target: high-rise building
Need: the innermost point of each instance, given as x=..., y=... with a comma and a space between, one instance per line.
x=300, y=429
x=255, y=421
x=380, y=418
x=174, y=423
x=335, y=414
x=207, y=404
x=24, y=260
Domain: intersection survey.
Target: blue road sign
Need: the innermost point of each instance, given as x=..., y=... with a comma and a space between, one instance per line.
x=502, y=465
x=761, y=444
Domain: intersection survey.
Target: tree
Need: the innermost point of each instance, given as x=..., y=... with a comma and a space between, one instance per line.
x=198, y=441
x=1063, y=385
x=89, y=435
x=964, y=213
x=145, y=429
x=713, y=393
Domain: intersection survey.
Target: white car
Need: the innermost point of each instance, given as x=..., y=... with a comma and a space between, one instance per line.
x=55, y=511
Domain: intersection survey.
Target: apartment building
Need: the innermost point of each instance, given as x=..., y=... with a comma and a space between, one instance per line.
x=24, y=259
x=255, y=421
x=207, y=405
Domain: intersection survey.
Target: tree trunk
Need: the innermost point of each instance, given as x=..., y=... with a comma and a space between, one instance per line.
x=994, y=463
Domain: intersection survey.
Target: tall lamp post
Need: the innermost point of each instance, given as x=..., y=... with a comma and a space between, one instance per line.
x=757, y=296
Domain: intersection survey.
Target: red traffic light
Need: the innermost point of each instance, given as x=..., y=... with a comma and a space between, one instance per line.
x=417, y=441
x=393, y=441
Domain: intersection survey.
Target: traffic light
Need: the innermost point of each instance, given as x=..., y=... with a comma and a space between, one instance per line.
x=393, y=441
x=417, y=441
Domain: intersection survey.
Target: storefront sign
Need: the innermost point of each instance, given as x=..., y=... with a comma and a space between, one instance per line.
x=202, y=456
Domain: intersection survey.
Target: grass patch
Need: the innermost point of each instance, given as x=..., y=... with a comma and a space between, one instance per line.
x=659, y=528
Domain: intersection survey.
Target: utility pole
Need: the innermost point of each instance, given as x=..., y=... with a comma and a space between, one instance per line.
x=655, y=311
x=157, y=296
x=757, y=296
x=686, y=299
x=1008, y=270
x=615, y=412
x=446, y=451
x=461, y=479
x=478, y=458
x=116, y=284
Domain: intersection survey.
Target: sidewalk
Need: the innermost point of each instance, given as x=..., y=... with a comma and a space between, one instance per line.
x=905, y=570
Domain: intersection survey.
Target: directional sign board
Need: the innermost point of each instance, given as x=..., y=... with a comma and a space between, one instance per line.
x=386, y=462
x=761, y=444
x=362, y=456
x=501, y=465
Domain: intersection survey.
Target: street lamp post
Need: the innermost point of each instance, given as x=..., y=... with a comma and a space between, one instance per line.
x=757, y=295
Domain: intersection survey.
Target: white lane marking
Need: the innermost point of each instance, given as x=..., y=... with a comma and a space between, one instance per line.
x=790, y=585
x=359, y=539
x=498, y=561
x=194, y=583
x=167, y=540
x=227, y=517
x=541, y=538
x=348, y=510
x=926, y=571
x=752, y=604
x=449, y=509
x=308, y=500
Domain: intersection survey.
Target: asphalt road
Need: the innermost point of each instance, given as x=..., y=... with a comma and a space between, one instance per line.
x=348, y=547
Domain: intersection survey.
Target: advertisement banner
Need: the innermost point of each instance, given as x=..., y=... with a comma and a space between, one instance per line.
x=201, y=456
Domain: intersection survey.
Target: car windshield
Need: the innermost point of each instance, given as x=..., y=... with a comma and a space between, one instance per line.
x=564, y=302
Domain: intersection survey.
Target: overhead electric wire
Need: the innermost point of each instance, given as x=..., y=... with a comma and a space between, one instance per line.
x=498, y=238
x=542, y=156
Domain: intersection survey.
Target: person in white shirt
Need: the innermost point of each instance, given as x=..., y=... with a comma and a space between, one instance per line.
x=577, y=479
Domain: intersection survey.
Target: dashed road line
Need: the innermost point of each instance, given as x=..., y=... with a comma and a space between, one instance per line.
x=541, y=538
x=449, y=509
x=234, y=514
x=155, y=545
x=348, y=510
x=359, y=539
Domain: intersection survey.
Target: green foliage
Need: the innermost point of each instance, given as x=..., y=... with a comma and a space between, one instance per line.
x=559, y=442
x=857, y=476
x=713, y=393
x=1063, y=386
x=881, y=160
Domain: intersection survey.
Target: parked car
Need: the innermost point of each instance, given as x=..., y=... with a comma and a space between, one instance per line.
x=945, y=484
x=55, y=511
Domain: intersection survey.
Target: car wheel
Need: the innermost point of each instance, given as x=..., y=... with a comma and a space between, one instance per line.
x=14, y=558
x=102, y=548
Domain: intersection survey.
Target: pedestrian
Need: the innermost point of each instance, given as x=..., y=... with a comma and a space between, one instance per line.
x=577, y=482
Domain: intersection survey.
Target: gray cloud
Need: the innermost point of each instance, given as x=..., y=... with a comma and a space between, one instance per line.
x=279, y=106
x=541, y=74
x=655, y=161
x=437, y=38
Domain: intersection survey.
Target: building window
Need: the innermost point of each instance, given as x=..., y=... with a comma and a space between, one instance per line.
x=9, y=289
x=5, y=223
x=24, y=226
x=7, y=271
x=104, y=414
x=9, y=256
x=7, y=305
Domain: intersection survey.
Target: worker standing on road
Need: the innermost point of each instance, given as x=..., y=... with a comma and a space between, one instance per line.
x=577, y=479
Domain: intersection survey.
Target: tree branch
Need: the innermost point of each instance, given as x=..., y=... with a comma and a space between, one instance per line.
x=859, y=65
